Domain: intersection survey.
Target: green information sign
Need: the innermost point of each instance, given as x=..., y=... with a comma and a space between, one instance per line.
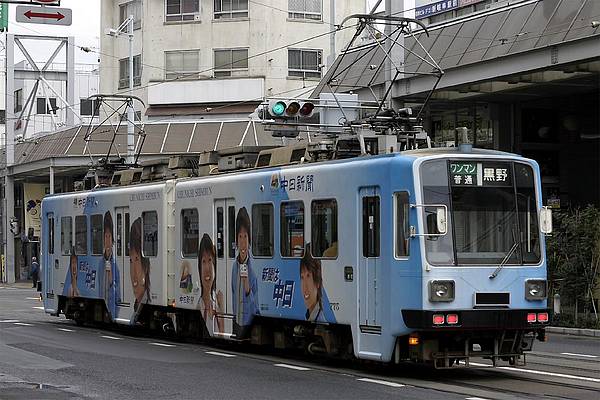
x=3, y=17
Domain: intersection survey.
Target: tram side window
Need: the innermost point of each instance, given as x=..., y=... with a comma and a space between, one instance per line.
x=371, y=231
x=150, y=233
x=96, y=222
x=527, y=211
x=292, y=229
x=189, y=233
x=324, y=228
x=81, y=235
x=262, y=230
x=119, y=235
x=66, y=235
x=220, y=233
x=127, y=234
x=402, y=225
x=50, y=235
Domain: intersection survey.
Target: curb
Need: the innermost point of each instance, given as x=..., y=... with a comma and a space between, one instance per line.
x=20, y=285
x=574, y=331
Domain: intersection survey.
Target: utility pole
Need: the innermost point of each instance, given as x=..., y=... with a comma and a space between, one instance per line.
x=331, y=59
x=130, y=111
x=127, y=26
x=396, y=59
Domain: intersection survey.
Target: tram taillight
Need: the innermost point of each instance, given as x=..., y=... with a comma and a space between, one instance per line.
x=542, y=317
x=452, y=319
x=438, y=319
x=531, y=318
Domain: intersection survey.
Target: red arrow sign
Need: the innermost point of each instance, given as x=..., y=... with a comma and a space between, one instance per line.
x=31, y=14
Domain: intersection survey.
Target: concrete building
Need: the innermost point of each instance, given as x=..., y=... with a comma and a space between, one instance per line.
x=44, y=119
x=218, y=58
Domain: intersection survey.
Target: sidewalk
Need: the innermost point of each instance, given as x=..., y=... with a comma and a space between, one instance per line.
x=574, y=331
x=19, y=285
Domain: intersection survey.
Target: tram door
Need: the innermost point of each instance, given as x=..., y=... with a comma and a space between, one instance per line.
x=49, y=262
x=224, y=238
x=369, y=253
x=122, y=225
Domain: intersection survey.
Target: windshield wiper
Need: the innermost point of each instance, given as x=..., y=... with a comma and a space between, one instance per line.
x=507, y=257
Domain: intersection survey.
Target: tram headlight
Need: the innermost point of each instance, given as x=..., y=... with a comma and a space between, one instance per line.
x=535, y=289
x=441, y=290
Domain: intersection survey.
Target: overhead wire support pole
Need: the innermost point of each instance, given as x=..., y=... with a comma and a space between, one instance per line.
x=130, y=111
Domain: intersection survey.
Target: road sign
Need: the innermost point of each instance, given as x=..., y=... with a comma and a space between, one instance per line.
x=44, y=15
x=41, y=2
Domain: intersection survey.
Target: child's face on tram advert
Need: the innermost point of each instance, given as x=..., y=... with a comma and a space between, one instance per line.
x=108, y=244
x=207, y=271
x=138, y=280
x=310, y=289
x=243, y=243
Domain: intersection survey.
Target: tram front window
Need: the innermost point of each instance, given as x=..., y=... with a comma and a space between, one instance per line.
x=493, y=213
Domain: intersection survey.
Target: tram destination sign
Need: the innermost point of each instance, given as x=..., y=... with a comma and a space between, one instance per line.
x=44, y=15
x=472, y=173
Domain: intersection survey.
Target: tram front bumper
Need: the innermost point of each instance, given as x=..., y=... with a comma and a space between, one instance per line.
x=478, y=319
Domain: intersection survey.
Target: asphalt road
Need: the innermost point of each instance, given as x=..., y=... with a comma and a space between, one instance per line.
x=44, y=357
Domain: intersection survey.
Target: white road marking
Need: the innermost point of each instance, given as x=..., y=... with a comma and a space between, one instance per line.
x=66, y=330
x=386, y=383
x=476, y=398
x=9, y=321
x=32, y=298
x=111, y=337
x=579, y=355
x=295, y=367
x=39, y=308
x=531, y=371
x=162, y=344
x=23, y=324
x=216, y=353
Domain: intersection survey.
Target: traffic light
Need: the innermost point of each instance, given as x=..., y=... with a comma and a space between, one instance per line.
x=289, y=109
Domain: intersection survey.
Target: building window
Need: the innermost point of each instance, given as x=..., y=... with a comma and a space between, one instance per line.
x=96, y=223
x=183, y=64
x=304, y=63
x=231, y=9
x=132, y=8
x=88, y=107
x=81, y=235
x=189, y=232
x=305, y=9
x=18, y=100
x=324, y=230
x=150, y=233
x=262, y=230
x=230, y=62
x=124, y=72
x=292, y=229
x=182, y=10
x=42, y=107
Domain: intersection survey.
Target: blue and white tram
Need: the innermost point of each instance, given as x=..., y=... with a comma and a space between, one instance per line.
x=429, y=255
